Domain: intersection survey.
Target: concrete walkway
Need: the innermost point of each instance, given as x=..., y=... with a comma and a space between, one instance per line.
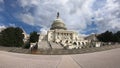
x=68, y=62
x=104, y=59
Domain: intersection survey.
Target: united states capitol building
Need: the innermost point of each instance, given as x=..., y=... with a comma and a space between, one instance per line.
x=58, y=37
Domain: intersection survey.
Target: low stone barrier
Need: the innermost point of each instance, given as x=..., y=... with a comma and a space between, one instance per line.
x=59, y=51
x=74, y=51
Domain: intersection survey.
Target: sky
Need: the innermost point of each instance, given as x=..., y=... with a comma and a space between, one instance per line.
x=83, y=16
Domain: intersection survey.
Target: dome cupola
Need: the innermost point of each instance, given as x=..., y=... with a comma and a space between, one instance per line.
x=58, y=24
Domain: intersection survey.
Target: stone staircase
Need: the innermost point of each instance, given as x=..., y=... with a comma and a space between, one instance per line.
x=44, y=45
x=55, y=45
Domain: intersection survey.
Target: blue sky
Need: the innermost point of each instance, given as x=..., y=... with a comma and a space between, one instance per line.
x=83, y=16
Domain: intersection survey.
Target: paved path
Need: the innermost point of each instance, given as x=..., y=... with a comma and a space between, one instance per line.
x=104, y=59
x=68, y=62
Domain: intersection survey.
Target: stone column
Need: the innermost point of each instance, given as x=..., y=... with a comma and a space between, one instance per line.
x=55, y=36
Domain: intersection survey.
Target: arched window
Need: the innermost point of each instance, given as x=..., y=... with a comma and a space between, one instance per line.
x=66, y=41
x=82, y=43
x=74, y=43
x=79, y=43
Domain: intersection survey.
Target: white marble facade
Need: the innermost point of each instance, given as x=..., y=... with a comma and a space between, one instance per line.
x=58, y=33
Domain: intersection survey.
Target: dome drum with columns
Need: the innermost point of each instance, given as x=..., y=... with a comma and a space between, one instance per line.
x=58, y=24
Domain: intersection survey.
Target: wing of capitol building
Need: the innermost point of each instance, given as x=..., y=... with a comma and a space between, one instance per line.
x=58, y=37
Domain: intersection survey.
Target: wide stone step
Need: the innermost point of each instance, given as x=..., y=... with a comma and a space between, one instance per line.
x=55, y=45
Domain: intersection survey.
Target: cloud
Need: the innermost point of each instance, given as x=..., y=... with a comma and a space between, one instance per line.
x=43, y=31
x=1, y=10
x=1, y=1
x=1, y=5
x=2, y=27
x=27, y=18
x=28, y=3
x=12, y=25
x=108, y=17
x=75, y=14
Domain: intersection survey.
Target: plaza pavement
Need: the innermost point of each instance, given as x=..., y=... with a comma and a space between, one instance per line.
x=103, y=59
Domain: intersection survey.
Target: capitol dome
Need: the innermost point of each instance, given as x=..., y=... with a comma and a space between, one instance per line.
x=58, y=24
